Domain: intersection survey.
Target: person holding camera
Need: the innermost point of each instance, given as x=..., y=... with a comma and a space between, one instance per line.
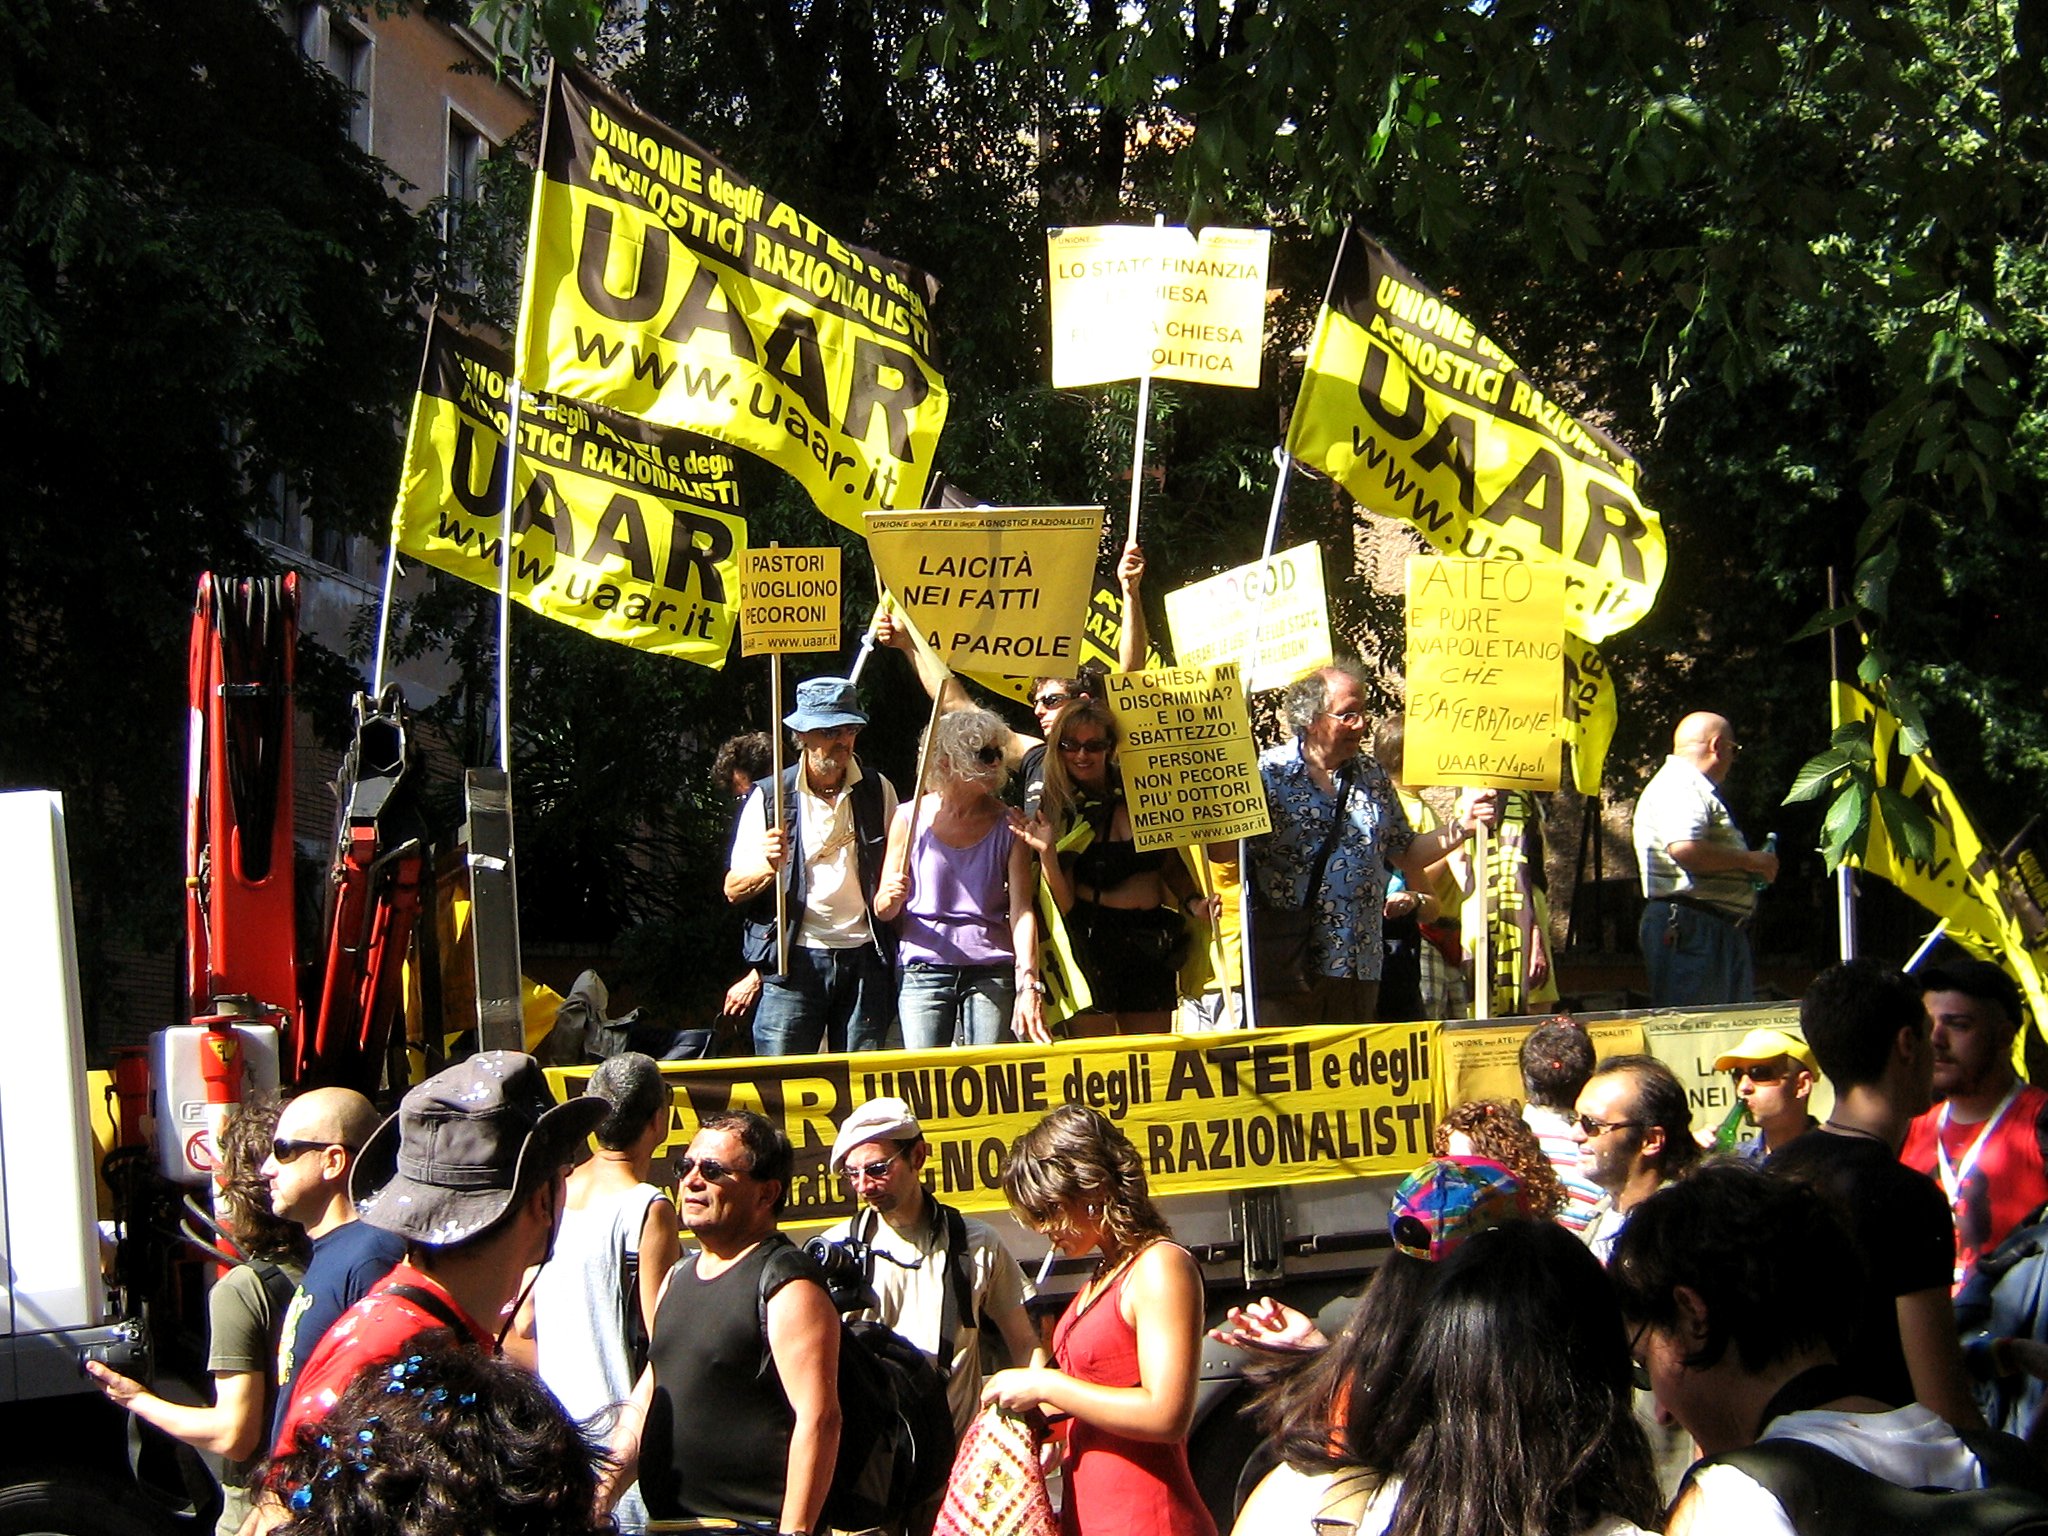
x=936, y=1274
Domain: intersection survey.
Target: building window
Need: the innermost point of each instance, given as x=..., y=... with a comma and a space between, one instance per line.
x=342, y=48
x=467, y=149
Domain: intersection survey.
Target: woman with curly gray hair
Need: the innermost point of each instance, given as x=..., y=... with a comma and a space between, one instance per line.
x=960, y=892
x=1127, y=1354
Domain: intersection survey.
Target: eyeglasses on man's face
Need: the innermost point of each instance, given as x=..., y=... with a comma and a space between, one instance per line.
x=1054, y=698
x=1594, y=1127
x=1350, y=719
x=870, y=1172
x=710, y=1169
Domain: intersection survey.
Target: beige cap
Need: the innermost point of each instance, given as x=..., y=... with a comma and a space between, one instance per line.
x=876, y=1120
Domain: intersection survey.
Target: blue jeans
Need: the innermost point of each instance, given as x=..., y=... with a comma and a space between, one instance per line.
x=1695, y=959
x=944, y=1004
x=831, y=1000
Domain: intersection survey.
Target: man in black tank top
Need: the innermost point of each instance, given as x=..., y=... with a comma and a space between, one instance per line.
x=726, y=1424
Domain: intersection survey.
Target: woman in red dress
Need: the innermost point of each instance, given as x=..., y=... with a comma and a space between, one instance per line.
x=1127, y=1355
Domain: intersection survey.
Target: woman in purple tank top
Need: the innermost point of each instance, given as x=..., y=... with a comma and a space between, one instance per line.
x=958, y=884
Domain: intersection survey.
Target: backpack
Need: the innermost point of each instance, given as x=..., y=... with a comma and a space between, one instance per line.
x=2005, y=1295
x=896, y=1436
x=1823, y=1495
x=959, y=1302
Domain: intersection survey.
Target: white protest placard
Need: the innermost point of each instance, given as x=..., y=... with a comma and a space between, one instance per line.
x=1485, y=673
x=1190, y=766
x=1271, y=617
x=1001, y=590
x=1134, y=299
x=789, y=600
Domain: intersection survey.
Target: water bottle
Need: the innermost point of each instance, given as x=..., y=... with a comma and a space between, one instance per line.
x=1756, y=883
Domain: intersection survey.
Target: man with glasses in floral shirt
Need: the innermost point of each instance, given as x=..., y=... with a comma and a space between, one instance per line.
x=1316, y=779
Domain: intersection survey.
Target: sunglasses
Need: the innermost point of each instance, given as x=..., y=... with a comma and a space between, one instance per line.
x=1759, y=1074
x=870, y=1173
x=283, y=1151
x=1055, y=700
x=1084, y=748
x=988, y=757
x=712, y=1170
x=1594, y=1127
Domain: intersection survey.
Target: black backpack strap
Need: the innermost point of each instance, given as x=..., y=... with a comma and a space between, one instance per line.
x=786, y=1263
x=278, y=1288
x=863, y=1234
x=434, y=1306
x=1824, y=1495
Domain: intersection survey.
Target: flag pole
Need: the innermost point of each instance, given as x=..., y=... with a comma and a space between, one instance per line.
x=512, y=400
x=1845, y=877
x=1482, y=954
x=780, y=799
x=384, y=611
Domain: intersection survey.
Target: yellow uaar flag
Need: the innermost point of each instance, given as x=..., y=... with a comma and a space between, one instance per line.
x=992, y=589
x=627, y=531
x=663, y=284
x=1130, y=299
x=1485, y=673
x=1422, y=418
x=1590, y=711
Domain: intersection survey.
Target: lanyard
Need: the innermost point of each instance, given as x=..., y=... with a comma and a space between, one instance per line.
x=1952, y=1177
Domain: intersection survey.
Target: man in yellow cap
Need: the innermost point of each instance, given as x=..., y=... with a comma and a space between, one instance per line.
x=1774, y=1076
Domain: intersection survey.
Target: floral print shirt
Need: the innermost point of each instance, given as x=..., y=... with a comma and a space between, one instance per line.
x=1347, y=941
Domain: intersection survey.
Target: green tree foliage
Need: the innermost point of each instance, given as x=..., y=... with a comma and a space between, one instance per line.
x=205, y=293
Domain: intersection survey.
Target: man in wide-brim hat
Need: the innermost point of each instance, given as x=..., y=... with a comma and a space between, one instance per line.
x=469, y=1172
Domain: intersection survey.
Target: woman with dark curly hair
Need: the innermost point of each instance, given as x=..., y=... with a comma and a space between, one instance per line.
x=245, y=1314
x=442, y=1441
x=1127, y=1354
x=1493, y=1130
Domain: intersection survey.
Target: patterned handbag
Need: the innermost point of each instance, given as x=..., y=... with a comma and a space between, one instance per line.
x=997, y=1487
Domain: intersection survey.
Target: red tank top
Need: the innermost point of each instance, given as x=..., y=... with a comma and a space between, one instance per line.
x=1117, y=1486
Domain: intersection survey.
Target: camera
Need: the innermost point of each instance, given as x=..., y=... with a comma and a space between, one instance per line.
x=123, y=1348
x=845, y=1269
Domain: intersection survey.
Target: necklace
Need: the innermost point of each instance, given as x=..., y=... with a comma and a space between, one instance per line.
x=1830, y=1124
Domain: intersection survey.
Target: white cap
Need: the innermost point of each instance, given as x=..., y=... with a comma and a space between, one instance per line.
x=876, y=1120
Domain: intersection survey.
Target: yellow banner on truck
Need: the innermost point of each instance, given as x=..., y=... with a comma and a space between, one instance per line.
x=1206, y=1112
x=627, y=531
x=992, y=589
x=663, y=284
x=1422, y=418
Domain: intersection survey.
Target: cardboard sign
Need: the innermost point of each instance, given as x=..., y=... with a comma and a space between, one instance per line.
x=1002, y=590
x=1190, y=767
x=1131, y=299
x=789, y=600
x=1485, y=673
x=1271, y=617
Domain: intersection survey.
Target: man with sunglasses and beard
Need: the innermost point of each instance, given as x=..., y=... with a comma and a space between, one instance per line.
x=1634, y=1130
x=839, y=992
x=314, y=1151
x=726, y=1425
x=936, y=1273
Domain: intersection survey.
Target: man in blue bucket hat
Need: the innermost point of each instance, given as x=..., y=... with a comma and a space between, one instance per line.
x=839, y=992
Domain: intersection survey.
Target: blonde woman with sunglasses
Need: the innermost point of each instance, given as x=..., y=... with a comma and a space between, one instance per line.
x=959, y=891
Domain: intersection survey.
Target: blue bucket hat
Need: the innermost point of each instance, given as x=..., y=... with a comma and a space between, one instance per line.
x=824, y=704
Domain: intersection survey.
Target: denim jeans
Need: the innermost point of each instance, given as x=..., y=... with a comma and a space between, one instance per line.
x=1694, y=958
x=947, y=1004
x=831, y=1000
